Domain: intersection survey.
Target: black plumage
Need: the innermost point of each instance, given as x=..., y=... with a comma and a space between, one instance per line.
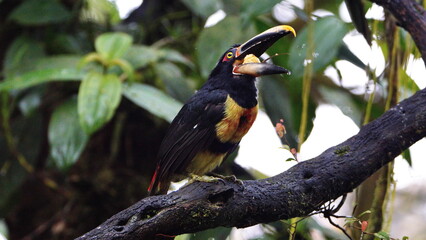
x=212, y=122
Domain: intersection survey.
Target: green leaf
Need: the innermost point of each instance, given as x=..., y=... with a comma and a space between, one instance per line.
x=58, y=62
x=382, y=235
x=214, y=41
x=254, y=8
x=40, y=12
x=66, y=137
x=140, y=56
x=174, y=56
x=22, y=55
x=152, y=100
x=103, y=12
x=326, y=45
x=203, y=8
x=173, y=81
x=406, y=154
x=113, y=45
x=40, y=76
x=363, y=213
x=98, y=97
x=345, y=53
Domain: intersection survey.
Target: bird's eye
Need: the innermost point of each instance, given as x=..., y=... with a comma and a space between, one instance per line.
x=229, y=55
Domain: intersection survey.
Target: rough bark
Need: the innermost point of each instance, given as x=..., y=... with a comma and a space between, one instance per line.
x=296, y=192
x=412, y=17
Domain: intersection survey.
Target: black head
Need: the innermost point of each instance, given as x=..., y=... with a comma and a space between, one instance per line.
x=242, y=61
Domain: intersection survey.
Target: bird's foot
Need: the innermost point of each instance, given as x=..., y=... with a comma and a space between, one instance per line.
x=197, y=178
x=214, y=177
x=231, y=178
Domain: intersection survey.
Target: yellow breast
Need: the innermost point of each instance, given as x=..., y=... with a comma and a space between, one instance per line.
x=236, y=123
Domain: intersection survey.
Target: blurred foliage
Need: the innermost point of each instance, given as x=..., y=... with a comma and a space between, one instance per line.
x=72, y=147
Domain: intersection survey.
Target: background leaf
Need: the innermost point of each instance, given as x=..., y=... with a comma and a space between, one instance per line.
x=113, y=45
x=41, y=76
x=325, y=48
x=140, y=56
x=152, y=100
x=174, y=81
x=40, y=12
x=66, y=137
x=22, y=56
x=345, y=53
x=98, y=97
x=203, y=8
x=254, y=8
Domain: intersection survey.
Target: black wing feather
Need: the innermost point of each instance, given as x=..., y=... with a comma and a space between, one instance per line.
x=192, y=131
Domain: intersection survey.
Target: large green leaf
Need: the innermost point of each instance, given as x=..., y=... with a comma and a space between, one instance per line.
x=98, y=97
x=328, y=35
x=174, y=56
x=41, y=76
x=254, y=8
x=22, y=56
x=58, y=62
x=140, y=55
x=113, y=45
x=66, y=137
x=214, y=41
x=173, y=80
x=152, y=100
x=203, y=8
x=40, y=12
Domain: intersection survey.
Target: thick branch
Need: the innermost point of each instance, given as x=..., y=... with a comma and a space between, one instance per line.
x=296, y=192
x=412, y=17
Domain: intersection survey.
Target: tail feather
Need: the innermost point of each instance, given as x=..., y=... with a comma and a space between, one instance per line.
x=158, y=186
x=154, y=181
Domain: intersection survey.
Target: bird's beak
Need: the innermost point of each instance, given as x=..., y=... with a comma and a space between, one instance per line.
x=247, y=54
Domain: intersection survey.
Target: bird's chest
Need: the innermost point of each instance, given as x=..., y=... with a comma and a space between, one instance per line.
x=236, y=122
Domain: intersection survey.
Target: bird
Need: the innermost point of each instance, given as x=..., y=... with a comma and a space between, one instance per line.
x=211, y=124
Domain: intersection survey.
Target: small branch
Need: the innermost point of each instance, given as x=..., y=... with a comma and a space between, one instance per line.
x=412, y=17
x=296, y=192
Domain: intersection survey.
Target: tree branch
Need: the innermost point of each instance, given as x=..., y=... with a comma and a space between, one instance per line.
x=296, y=192
x=412, y=17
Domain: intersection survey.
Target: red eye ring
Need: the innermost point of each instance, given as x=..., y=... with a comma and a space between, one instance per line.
x=228, y=56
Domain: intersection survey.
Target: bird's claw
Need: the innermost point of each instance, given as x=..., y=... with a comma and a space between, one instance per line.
x=214, y=177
